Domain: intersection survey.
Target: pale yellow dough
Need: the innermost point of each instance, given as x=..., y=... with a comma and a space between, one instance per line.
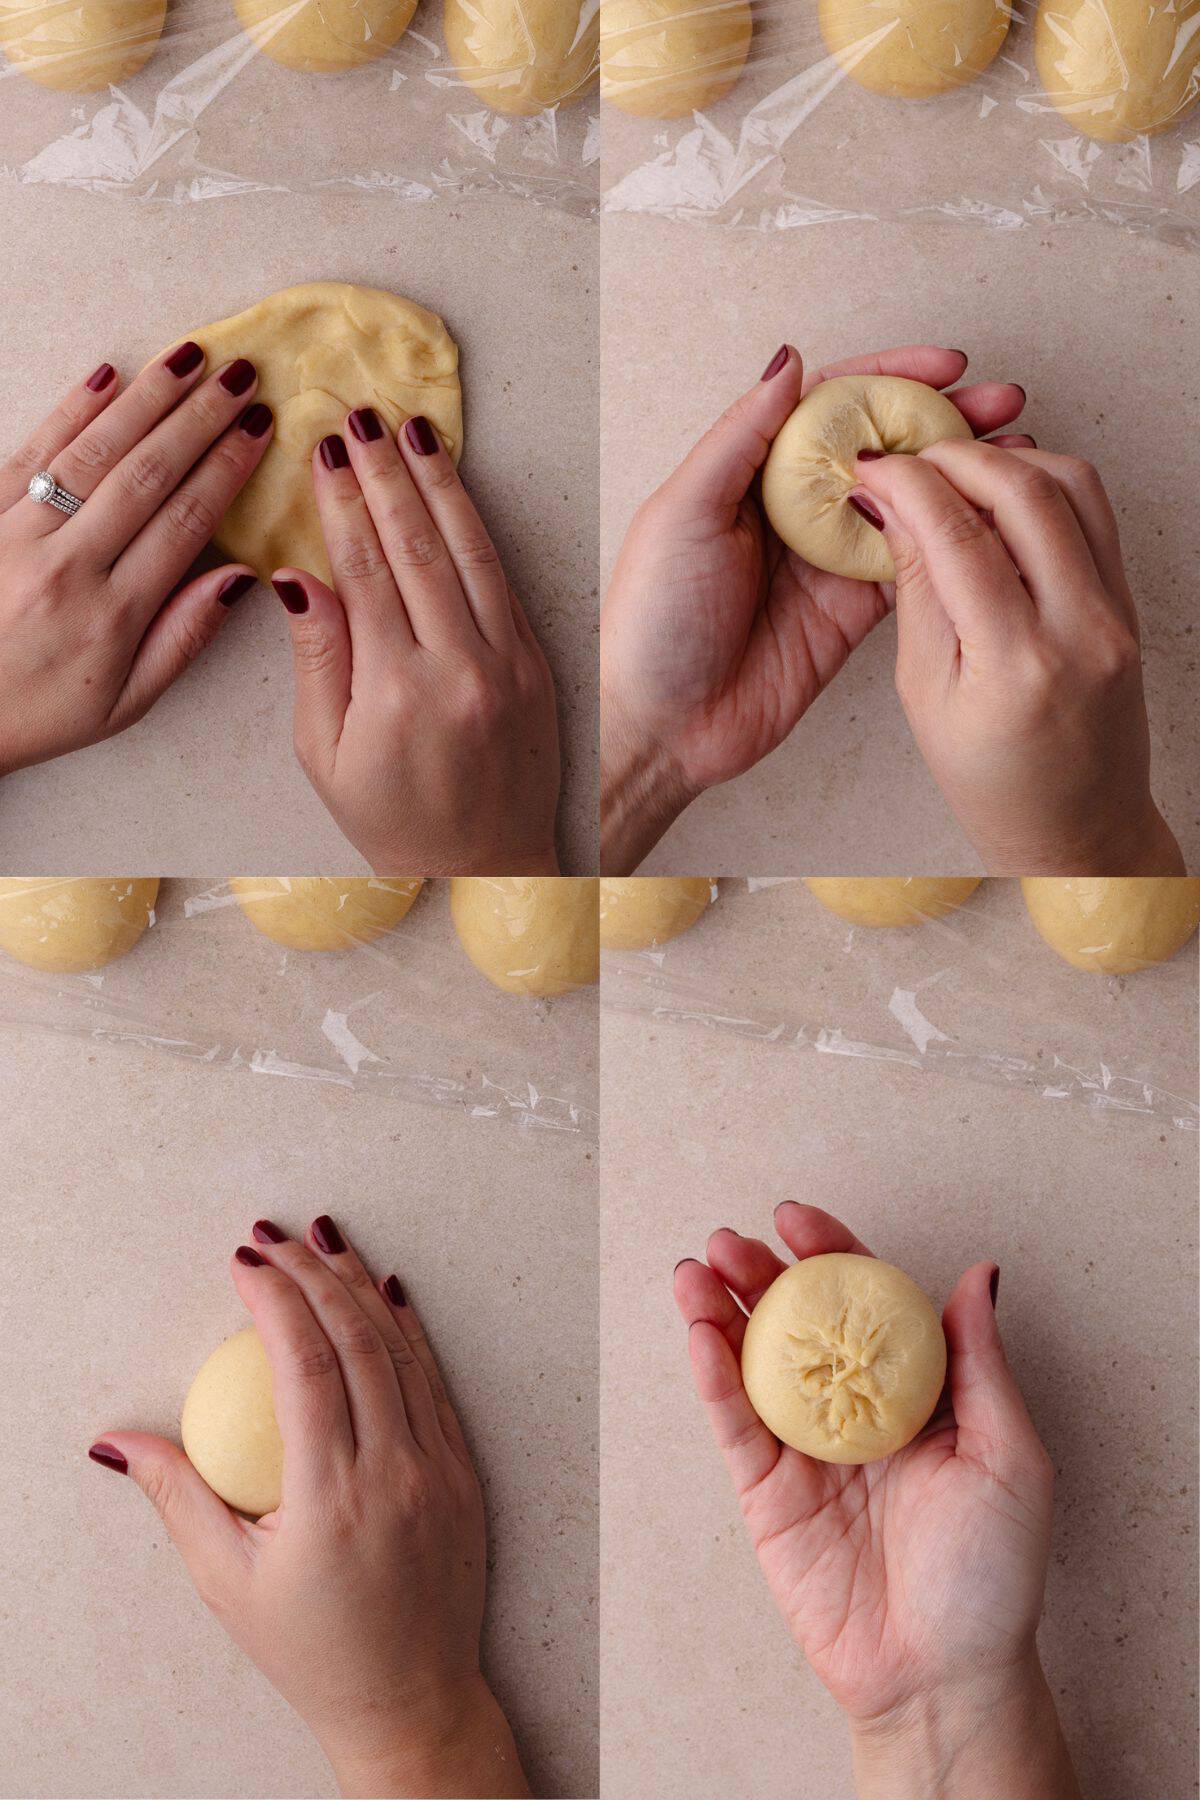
x=1118, y=68
x=324, y=912
x=522, y=56
x=810, y=472
x=844, y=1358
x=913, y=49
x=1114, y=924
x=529, y=934
x=321, y=350
x=891, y=899
x=80, y=46
x=71, y=924
x=663, y=59
x=640, y=912
x=228, y=1426
x=324, y=37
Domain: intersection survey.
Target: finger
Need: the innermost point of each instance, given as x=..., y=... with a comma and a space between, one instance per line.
x=1013, y=440
x=362, y=575
x=746, y=1265
x=200, y=1525
x=322, y=666
x=937, y=368
x=179, y=633
x=701, y=1294
x=994, y=1426
x=1085, y=493
x=989, y=406
x=716, y=475
x=463, y=532
x=809, y=1231
x=418, y=1343
x=749, y=1449
x=73, y=414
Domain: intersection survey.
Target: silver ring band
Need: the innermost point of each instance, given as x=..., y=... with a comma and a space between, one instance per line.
x=45, y=490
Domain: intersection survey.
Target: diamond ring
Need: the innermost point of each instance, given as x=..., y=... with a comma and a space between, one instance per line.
x=46, y=491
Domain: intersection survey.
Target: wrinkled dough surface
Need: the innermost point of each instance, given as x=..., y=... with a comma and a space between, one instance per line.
x=1114, y=924
x=522, y=56
x=891, y=899
x=71, y=924
x=80, y=48
x=638, y=912
x=810, y=472
x=662, y=59
x=844, y=1358
x=1117, y=68
x=228, y=1426
x=913, y=49
x=324, y=912
x=324, y=37
x=529, y=934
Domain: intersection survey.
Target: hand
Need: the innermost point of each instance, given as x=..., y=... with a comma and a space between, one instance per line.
x=425, y=713
x=1018, y=660
x=90, y=632
x=913, y=1584
x=715, y=638
x=361, y=1598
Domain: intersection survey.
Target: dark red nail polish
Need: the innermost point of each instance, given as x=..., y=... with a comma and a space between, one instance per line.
x=237, y=377
x=267, y=1233
x=776, y=363
x=421, y=435
x=871, y=455
x=394, y=1291
x=100, y=378
x=334, y=453
x=235, y=589
x=109, y=1458
x=867, y=511
x=994, y=1285
x=326, y=1236
x=181, y=362
x=251, y=1258
x=256, y=420
x=292, y=595
x=366, y=425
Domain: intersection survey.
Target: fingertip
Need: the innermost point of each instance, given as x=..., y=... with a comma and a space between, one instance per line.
x=235, y=585
x=291, y=591
x=419, y=436
x=109, y=1457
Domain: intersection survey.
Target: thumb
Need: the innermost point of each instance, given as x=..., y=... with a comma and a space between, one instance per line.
x=718, y=472
x=177, y=634
x=321, y=662
x=994, y=1426
x=199, y=1524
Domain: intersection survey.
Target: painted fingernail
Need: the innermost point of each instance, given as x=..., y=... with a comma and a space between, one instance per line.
x=866, y=511
x=394, y=1291
x=181, y=362
x=776, y=363
x=100, y=378
x=994, y=1285
x=109, y=1458
x=421, y=435
x=256, y=420
x=292, y=595
x=251, y=1258
x=871, y=455
x=326, y=1236
x=366, y=425
x=235, y=589
x=334, y=453
x=237, y=377
x=267, y=1233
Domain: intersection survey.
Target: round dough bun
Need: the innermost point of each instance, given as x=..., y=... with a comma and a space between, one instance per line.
x=1116, y=69
x=810, y=473
x=891, y=899
x=321, y=350
x=323, y=37
x=844, y=1358
x=529, y=934
x=913, y=49
x=71, y=924
x=522, y=56
x=324, y=912
x=1114, y=924
x=641, y=912
x=663, y=59
x=228, y=1426
x=80, y=48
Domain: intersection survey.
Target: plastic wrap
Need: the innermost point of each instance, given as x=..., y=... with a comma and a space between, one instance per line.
x=210, y=113
x=798, y=140
x=975, y=995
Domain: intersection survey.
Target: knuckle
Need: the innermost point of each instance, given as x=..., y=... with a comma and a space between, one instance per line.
x=358, y=1338
x=312, y=647
x=402, y=1357
x=313, y=1360
x=418, y=1495
x=441, y=476
x=1078, y=473
x=161, y=1490
x=192, y=637
x=417, y=549
x=906, y=556
x=958, y=528
x=1034, y=484
x=93, y=451
x=29, y=459
x=359, y=559
x=146, y=474
x=476, y=551
x=191, y=517
x=1114, y=653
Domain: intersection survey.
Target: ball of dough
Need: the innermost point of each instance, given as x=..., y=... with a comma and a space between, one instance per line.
x=891, y=899
x=641, y=912
x=521, y=56
x=68, y=925
x=324, y=912
x=323, y=37
x=844, y=1358
x=663, y=59
x=912, y=49
x=1118, y=68
x=810, y=473
x=228, y=1426
x=529, y=934
x=1114, y=924
x=80, y=48
x=321, y=350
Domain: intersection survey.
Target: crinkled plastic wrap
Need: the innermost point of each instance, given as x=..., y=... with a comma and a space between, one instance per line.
x=1033, y=124
x=405, y=1014
x=975, y=995
x=202, y=109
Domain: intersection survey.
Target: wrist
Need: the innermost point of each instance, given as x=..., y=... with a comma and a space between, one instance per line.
x=642, y=793
x=1142, y=845
x=456, y=1742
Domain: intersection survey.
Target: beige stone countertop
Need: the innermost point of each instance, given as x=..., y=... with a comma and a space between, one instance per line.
x=1103, y=330
x=131, y=1174
x=1090, y=1212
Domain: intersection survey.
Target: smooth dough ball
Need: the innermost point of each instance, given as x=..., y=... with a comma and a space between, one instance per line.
x=891, y=899
x=70, y=924
x=321, y=350
x=529, y=934
x=80, y=48
x=1114, y=924
x=810, y=473
x=324, y=912
x=663, y=59
x=641, y=912
x=912, y=49
x=521, y=56
x=228, y=1426
x=844, y=1358
x=323, y=37
x=1116, y=69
